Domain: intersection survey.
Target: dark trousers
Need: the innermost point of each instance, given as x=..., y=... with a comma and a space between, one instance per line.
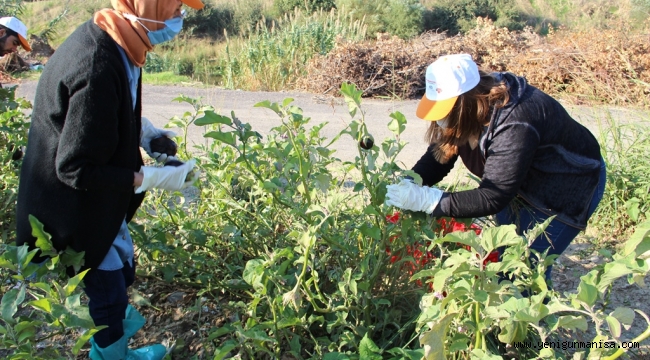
x=108, y=297
x=558, y=235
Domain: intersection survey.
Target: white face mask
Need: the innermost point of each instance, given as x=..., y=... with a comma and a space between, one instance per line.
x=443, y=123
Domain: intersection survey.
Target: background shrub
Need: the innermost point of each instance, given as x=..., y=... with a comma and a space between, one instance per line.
x=370, y=12
x=247, y=14
x=404, y=18
x=456, y=16
x=284, y=6
x=210, y=21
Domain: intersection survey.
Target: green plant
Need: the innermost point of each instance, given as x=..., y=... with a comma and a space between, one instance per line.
x=626, y=201
x=12, y=7
x=273, y=58
x=404, y=18
x=247, y=14
x=212, y=21
x=370, y=12
x=38, y=303
x=13, y=138
x=287, y=6
x=483, y=311
x=50, y=30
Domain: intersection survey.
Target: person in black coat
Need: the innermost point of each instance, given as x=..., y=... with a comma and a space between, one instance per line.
x=533, y=159
x=83, y=176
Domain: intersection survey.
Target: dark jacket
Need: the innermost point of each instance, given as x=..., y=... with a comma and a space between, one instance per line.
x=531, y=148
x=82, y=149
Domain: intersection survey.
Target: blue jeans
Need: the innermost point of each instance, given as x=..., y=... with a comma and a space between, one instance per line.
x=108, y=297
x=558, y=235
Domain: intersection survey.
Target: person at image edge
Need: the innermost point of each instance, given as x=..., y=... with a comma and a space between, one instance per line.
x=83, y=176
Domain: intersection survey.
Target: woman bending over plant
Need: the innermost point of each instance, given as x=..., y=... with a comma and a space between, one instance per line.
x=533, y=159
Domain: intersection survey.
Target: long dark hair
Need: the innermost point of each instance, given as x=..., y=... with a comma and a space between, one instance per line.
x=466, y=119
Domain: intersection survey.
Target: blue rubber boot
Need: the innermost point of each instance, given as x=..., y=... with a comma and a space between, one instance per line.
x=132, y=322
x=115, y=351
x=119, y=350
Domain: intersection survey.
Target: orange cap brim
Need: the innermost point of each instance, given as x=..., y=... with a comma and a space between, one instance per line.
x=24, y=43
x=194, y=4
x=434, y=110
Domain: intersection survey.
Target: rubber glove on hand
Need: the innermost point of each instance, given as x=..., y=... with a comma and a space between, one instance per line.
x=167, y=177
x=149, y=132
x=409, y=196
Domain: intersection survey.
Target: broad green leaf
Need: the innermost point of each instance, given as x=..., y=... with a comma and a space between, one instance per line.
x=611, y=272
x=74, y=282
x=69, y=257
x=225, y=137
x=184, y=98
x=368, y=349
x=535, y=312
x=307, y=240
x=587, y=290
x=286, y=102
x=224, y=330
x=25, y=257
x=289, y=322
x=371, y=231
x=322, y=182
x=273, y=106
x=639, y=242
x=352, y=97
x=464, y=237
x=512, y=331
x=433, y=341
x=478, y=354
x=624, y=315
x=42, y=304
x=9, y=303
x=84, y=338
x=514, y=305
x=210, y=117
x=398, y=124
x=26, y=330
x=614, y=326
x=258, y=335
x=224, y=350
x=253, y=272
x=370, y=210
x=43, y=239
x=496, y=237
x=571, y=322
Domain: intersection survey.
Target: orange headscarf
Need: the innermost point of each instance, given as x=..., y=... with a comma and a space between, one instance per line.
x=131, y=35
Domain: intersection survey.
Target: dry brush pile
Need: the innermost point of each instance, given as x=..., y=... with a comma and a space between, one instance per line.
x=610, y=66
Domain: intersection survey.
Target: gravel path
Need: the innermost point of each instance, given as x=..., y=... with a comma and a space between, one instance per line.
x=159, y=108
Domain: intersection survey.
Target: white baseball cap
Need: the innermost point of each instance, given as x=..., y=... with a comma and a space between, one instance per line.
x=446, y=78
x=16, y=25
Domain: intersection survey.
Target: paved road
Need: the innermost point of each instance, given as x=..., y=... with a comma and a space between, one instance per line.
x=159, y=108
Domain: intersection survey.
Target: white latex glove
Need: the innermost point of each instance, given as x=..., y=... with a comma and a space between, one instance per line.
x=167, y=177
x=409, y=196
x=149, y=132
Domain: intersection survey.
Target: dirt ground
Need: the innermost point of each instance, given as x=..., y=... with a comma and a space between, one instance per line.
x=180, y=318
